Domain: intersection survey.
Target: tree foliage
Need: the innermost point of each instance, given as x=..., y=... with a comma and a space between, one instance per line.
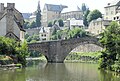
x=85, y=21
x=61, y=23
x=38, y=16
x=34, y=38
x=95, y=14
x=67, y=34
x=84, y=8
x=33, y=24
x=10, y=47
x=50, y=24
x=54, y=21
x=111, y=41
x=28, y=25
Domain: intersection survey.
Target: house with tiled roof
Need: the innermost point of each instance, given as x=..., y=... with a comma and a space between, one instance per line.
x=112, y=10
x=11, y=22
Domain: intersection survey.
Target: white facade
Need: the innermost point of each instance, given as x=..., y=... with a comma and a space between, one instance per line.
x=45, y=33
x=73, y=23
x=78, y=23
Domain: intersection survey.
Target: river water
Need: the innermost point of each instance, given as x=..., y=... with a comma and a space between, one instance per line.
x=59, y=72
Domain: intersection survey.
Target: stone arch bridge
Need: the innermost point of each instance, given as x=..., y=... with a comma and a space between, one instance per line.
x=56, y=51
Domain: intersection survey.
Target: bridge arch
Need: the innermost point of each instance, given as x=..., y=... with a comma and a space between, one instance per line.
x=57, y=51
x=40, y=47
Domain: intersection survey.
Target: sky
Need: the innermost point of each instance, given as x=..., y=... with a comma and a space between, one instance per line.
x=30, y=6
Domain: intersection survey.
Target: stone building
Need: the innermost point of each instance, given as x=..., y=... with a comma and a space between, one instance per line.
x=111, y=10
x=112, y=13
x=97, y=26
x=11, y=22
x=78, y=15
x=51, y=12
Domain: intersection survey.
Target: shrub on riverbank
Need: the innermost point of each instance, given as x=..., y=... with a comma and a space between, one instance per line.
x=5, y=60
x=83, y=56
x=13, y=49
x=110, y=39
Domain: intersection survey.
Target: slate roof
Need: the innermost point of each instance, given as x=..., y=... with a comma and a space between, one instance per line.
x=26, y=15
x=42, y=30
x=56, y=8
x=113, y=3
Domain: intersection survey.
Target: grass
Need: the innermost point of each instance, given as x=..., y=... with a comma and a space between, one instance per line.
x=90, y=54
x=83, y=56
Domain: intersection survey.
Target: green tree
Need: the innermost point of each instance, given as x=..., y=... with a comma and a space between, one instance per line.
x=38, y=16
x=111, y=41
x=50, y=24
x=26, y=35
x=54, y=21
x=61, y=23
x=10, y=47
x=67, y=34
x=33, y=38
x=84, y=8
x=95, y=14
x=33, y=24
x=76, y=32
x=26, y=25
x=7, y=46
x=22, y=52
x=85, y=21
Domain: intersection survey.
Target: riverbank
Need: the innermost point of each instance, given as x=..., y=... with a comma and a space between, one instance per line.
x=7, y=62
x=91, y=57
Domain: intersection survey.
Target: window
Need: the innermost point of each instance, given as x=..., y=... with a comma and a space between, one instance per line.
x=106, y=13
x=74, y=15
x=97, y=23
x=106, y=9
x=106, y=17
x=114, y=18
x=98, y=31
x=112, y=12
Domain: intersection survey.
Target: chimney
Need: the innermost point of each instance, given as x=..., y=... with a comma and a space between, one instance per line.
x=10, y=5
x=10, y=8
x=1, y=7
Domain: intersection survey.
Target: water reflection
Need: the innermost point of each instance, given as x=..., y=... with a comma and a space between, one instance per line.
x=12, y=75
x=59, y=72
x=109, y=76
x=51, y=72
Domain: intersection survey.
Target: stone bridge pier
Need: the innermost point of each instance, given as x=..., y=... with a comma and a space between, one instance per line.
x=56, y=51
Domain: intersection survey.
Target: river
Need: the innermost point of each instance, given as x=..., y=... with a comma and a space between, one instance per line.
x=59, y=72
